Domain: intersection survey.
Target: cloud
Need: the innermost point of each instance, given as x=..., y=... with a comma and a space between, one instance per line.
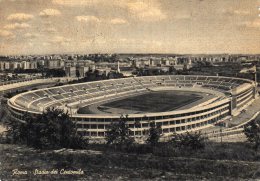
x=15, y=26
x=50, y=12
x=4, y=33
x=74, y=2
x=241, y=12
x=88, y=19
x=19, y=17
x=146, y=11
x=45, y=44
x=182, y=16
x=60, y=40
x=252, y=24
x=143, y=10
x=50, y=30
x=117, y=21
x=96, y=20
x=30, y=35
x=236, y=12
x=31, y=44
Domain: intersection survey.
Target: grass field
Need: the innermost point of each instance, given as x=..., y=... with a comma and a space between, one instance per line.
x=160, y=101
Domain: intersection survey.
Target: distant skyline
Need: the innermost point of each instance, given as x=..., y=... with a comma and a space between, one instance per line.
x=129, y=26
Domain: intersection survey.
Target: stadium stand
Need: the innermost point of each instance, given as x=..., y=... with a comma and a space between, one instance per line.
x=233, y=94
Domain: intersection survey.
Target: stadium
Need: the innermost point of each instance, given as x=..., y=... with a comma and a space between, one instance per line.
x=179, y=103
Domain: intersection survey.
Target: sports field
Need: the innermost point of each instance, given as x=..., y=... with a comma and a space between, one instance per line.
x=159, y=101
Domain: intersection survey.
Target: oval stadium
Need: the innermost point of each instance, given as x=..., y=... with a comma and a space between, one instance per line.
x=179, y=103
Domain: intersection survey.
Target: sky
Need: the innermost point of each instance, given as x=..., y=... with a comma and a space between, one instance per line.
x=129, y=26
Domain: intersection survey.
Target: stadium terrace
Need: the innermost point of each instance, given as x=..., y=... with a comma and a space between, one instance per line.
x=222, y=98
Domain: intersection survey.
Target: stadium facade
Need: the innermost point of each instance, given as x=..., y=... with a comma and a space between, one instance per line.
x=232, y=95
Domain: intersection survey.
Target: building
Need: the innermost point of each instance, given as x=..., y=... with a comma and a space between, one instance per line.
x=15, y=65
x=55, y=64
x=103, y=71
x=28, y=65
x=4, y=65
x=82, y=71
x=70, y=71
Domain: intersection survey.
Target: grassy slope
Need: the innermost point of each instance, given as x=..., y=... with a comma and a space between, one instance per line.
x=218, y=162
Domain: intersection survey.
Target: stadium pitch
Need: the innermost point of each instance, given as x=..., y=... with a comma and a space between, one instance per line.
x=157, y=101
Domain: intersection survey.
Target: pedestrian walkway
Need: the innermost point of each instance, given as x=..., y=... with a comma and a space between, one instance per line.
x=244, y=116
x=230, y=138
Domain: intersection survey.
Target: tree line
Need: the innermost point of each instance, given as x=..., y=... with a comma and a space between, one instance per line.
x=54, y=130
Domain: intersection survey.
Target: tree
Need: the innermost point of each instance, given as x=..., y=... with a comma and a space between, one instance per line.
x=137, y=125
x=16, y=132
x=51, y=130
x=252, y=132
x=55, y=72
x=118, y=132
x=154, y=134
x=172, y=70
x=193, y=141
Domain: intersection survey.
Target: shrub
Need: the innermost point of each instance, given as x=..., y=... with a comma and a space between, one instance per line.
x=193, y=141
x=252, y=132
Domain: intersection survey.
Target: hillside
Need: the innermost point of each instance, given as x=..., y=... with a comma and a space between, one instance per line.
x=228, y=161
